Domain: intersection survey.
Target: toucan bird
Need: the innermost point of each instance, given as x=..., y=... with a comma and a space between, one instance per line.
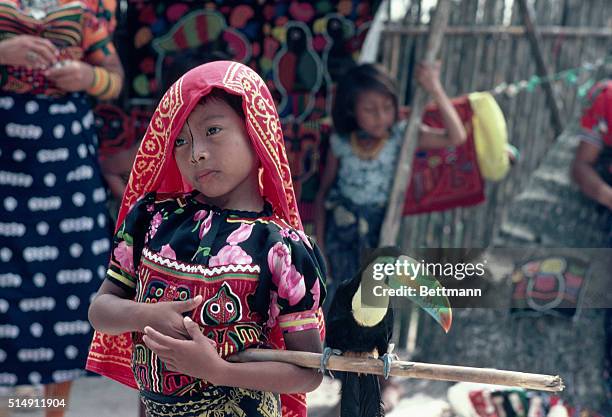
x=361, y=323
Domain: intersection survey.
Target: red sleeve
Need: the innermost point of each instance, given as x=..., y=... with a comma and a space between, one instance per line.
x=595, y=121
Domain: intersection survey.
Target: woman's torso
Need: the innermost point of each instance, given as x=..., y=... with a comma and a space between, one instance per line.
x=74, y=28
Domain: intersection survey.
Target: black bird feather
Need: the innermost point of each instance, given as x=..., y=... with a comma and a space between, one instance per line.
x=361, y=394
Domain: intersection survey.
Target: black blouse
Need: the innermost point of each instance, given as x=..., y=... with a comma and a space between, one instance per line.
x=253, y=270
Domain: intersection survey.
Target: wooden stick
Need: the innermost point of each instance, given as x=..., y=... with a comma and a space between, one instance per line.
x=546, y=31
x=393, y=215
x=534, y=40
x=406, y=369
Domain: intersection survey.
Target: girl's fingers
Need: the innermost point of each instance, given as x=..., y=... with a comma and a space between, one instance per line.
x=159, y=349
x=188, y=305
x=151, y=344
x=159, y=337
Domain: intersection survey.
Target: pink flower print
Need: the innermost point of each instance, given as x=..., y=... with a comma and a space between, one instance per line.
x=273, y=311
x=200, y=214
x=229, y=255
x=241, y=234
x=288, y=233
x=155, y=222
x=316, y=294
x=150, y=208
x=124, y=254
x=206, y=225
x=288, y=280
x=279, y=260
x=291, y=286
x=304, y=239
x=167, y=252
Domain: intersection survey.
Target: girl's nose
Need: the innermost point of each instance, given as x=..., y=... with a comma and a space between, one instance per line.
x=378, y=115
x=198, y=151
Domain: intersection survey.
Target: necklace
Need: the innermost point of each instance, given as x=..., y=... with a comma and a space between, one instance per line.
x=368, y=150
x=39, y=9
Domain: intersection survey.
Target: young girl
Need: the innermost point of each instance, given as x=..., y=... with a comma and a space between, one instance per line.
x=211, y=259
x=360, y=165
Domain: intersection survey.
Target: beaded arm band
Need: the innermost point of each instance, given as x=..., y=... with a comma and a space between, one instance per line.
x=106, y=85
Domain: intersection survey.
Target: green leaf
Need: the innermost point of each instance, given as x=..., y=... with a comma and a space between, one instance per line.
x=179, y=210
x=128, y=239
x=205, y=250
x=196, y=226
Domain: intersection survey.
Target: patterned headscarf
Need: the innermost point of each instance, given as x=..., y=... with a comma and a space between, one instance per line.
x=155, y=169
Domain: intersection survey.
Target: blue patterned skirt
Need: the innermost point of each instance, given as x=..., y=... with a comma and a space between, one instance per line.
x=54, y=236
x=350, y=229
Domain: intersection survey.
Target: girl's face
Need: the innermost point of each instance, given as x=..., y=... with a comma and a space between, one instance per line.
x=375, y=113
x=214, y=154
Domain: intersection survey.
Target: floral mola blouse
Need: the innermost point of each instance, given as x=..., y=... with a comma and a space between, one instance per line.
x=252, y=269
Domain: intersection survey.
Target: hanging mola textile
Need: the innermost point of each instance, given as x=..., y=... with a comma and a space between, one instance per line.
x=446, y=178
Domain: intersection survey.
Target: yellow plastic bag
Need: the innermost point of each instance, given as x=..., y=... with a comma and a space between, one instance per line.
x=490, y=136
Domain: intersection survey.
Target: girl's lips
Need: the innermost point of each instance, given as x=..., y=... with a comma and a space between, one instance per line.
x=204, y=174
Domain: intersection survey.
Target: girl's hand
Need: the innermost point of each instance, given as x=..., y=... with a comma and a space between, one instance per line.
x=428, y=75
x=28, y=51
x=71, y=75
x=196, y=357
x=167, y=316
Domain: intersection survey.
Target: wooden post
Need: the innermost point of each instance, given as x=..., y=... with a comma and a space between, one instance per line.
x=393, y=216
x=534, y=41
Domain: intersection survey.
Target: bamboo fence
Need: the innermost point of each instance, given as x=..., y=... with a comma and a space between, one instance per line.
x=486, y=45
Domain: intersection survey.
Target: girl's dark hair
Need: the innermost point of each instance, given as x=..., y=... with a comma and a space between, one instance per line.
x=356, y=80
x=180, y=62
x=232, y=100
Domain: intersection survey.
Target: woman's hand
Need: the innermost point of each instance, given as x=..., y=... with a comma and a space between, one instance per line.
x=71, y=75
x=196, y=356
x=167, y=316
x=428, y=75
x=116, y=170
x=28, y=51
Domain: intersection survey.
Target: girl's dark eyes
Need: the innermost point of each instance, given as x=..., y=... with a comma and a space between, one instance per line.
x=179, y=142
x=212, y=130
x=182, y=141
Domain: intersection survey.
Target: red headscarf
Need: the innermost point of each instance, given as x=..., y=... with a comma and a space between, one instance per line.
x=155, y=169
